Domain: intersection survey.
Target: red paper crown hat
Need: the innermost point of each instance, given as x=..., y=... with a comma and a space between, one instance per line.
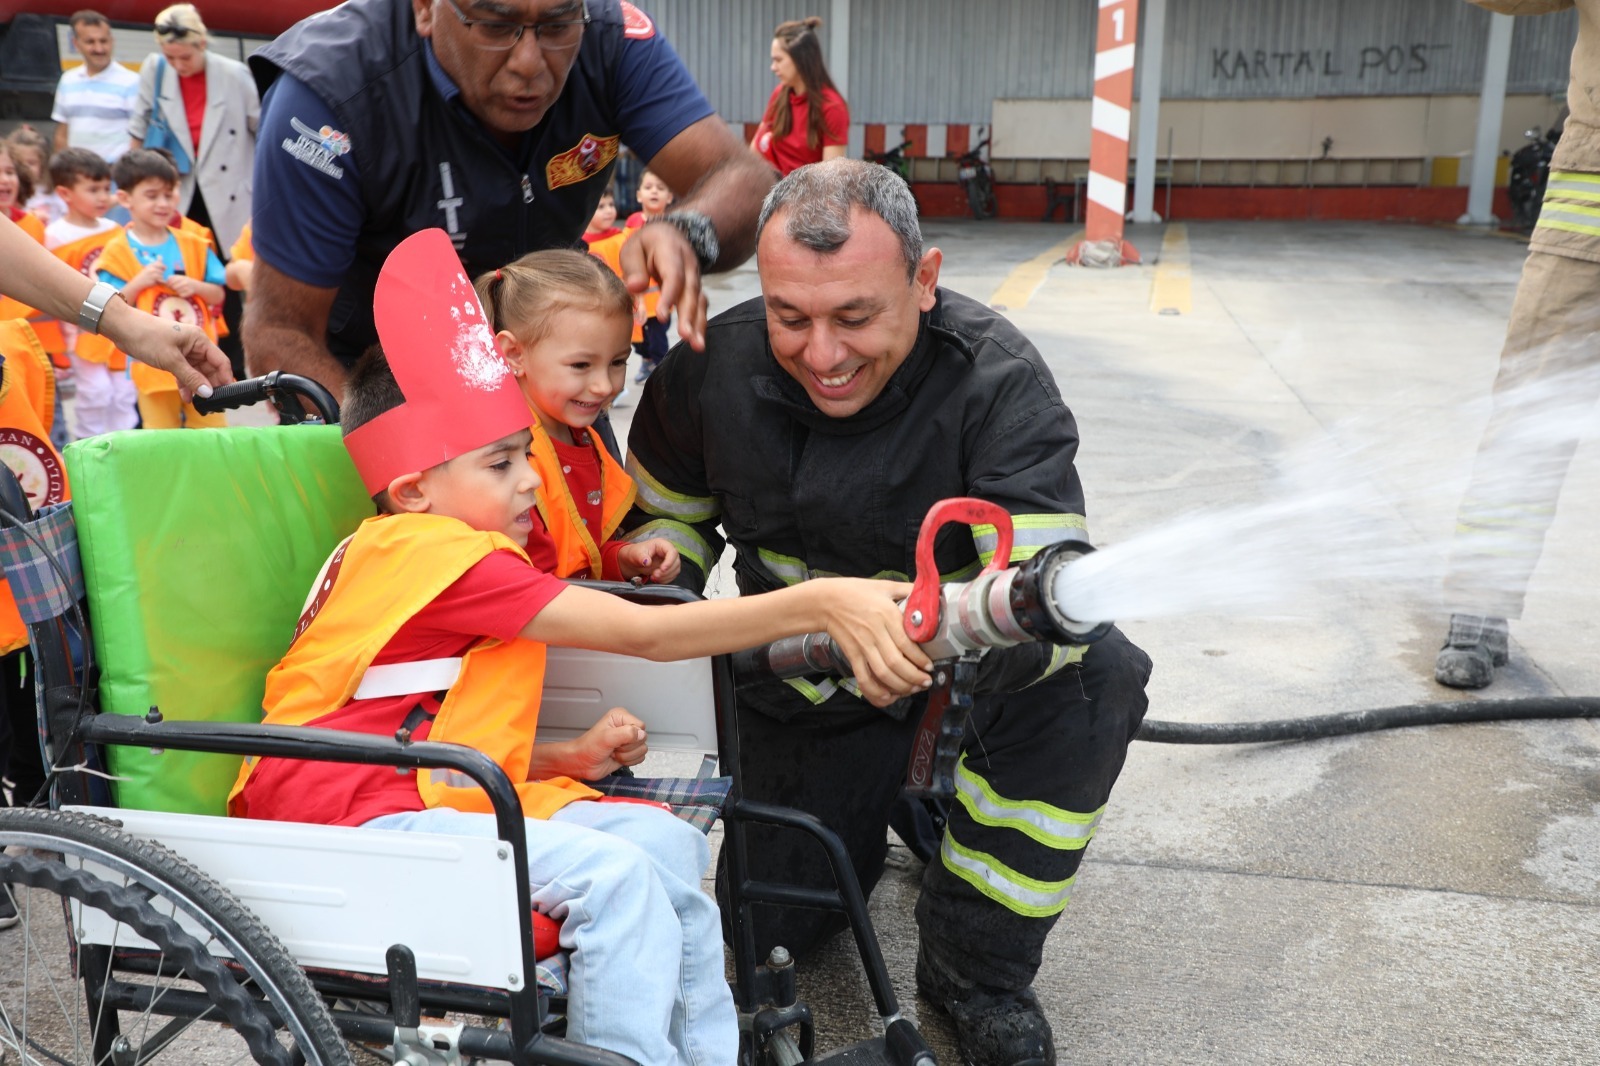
x=459, y=391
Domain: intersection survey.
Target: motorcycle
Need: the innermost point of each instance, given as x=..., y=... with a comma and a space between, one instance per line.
x=977, y=180
x=1530, y=171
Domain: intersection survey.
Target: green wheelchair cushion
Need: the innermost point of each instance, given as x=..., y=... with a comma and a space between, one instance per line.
x=199, y=547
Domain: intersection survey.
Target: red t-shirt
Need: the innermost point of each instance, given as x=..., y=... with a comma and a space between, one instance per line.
x=580, y=465
x=791, y=151
x=496, y=598
x=590, y=236
x=193, y=87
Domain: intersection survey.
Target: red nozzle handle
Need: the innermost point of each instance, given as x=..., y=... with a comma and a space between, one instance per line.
x=922, y=606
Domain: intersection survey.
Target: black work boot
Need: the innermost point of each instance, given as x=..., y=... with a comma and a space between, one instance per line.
x=994, y=1027
x=1475, y=646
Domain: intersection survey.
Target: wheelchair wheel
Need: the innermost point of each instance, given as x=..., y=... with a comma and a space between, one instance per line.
x=111, y=961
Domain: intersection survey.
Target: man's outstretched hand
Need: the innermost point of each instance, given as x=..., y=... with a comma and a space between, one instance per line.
x=659, y=251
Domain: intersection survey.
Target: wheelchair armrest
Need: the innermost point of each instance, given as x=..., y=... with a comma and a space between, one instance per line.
x=337, y=745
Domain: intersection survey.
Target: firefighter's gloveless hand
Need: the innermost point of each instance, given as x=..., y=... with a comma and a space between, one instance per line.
x=864, y=619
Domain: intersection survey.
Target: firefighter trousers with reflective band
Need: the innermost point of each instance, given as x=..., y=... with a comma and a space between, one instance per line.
x=1035, y=775
x=1544, y=395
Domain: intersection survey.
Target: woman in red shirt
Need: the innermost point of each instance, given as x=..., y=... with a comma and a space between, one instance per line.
x=806, y=120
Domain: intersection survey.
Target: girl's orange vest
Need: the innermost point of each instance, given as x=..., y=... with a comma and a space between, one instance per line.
x=83, y=255
x=577, y=546
x=391, y=568
x=118, y=260
x=27, y=396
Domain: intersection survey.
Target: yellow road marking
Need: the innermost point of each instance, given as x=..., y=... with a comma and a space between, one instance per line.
x=1169, y=290
x=1025, y=278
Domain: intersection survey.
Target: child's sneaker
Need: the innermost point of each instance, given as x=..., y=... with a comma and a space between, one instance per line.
x=643, y=374
x=622, y=398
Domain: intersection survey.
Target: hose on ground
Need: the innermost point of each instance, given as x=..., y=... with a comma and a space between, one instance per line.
x=1368, y=721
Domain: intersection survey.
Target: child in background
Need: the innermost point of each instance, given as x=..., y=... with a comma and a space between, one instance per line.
x=16, y=187
x=605, y=242
x=603, y=224
x=654, y=199
x=440, y=574
x=169, y=272
x=563, y=321
x=241, y=262
x=106, y=399
x=32, y=151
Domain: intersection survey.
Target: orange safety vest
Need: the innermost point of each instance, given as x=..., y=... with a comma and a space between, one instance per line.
x=609, y=251
x=83, y=255
x=577, y=546
x=189, y=225
x=48, y=330
x=27, y=391
x=118, y=260
x=376, y=581
x=245, y=247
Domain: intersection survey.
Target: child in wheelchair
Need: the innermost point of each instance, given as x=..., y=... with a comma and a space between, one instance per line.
x=431, y=620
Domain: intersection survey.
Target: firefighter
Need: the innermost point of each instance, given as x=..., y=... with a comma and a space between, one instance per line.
x=816, y=430
x=1511, y=499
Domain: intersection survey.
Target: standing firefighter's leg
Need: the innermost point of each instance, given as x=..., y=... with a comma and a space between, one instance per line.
x=1035, y=775
x=1544, y=394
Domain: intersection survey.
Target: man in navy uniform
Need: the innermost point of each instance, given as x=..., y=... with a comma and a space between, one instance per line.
x=499, y=121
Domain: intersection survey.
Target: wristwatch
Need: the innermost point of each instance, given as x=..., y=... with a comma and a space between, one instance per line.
x=94, y=306
x=700, y=232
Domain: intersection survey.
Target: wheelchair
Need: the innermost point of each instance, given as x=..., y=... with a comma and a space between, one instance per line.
x=151, y=924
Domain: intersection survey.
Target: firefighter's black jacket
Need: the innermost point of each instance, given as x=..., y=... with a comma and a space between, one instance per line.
x=726, y=437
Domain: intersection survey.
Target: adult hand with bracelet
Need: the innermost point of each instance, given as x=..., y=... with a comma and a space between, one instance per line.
x=40, y=280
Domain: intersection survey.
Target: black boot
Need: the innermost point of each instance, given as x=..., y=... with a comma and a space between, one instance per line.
x=1472, y=650
x=994, y=1026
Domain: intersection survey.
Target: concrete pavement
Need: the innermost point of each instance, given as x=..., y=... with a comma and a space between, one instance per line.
x=1417, y=896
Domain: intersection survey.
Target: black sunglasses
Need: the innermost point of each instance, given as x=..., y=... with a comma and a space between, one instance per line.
x=173, y=30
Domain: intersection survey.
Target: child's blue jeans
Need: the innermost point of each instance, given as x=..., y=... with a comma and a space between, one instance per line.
x=623, y=879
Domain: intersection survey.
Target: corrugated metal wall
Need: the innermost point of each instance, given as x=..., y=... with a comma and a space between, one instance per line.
x=1232, y=49
x=948, y=60
x=726, y=45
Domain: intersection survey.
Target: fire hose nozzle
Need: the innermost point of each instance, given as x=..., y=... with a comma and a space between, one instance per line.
x=1037, y=596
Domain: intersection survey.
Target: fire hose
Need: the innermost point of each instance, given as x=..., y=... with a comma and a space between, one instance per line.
x=956, y=623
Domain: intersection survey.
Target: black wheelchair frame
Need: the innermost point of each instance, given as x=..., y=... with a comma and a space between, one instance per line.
x=764, y=990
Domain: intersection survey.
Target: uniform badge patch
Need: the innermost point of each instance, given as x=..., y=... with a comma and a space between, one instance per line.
x=318, y=148
x=581, y=162
x=636, y=25
x=34, y=463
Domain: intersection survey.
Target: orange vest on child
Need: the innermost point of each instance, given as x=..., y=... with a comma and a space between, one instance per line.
x=27, y=398
x=376, y=581
x=609, y=251
x=245, y=247
x=47, y=329
x=118, y=260
x=83, y=255
x=577, y=546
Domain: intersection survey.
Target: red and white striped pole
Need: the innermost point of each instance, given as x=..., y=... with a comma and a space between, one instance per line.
x=1115, y=34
